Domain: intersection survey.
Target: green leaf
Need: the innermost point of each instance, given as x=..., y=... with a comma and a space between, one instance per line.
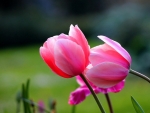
x=23, y=97
x=27, y=89
x=27, y=95
x=136, y=105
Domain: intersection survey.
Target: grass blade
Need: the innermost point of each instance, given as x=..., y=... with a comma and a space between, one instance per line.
x=27, y=95
x=136, y=105
x=23, y=96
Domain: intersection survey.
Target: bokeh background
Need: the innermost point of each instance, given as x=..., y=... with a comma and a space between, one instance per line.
x=26, y=24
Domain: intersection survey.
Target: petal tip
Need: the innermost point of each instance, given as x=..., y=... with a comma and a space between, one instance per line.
x=76, y=26
x=102, y=37
x=71, y=26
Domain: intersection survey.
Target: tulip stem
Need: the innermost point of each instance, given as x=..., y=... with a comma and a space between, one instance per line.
x=93, y=93
x=109, y=103
x=73, y=109
x=140, y=75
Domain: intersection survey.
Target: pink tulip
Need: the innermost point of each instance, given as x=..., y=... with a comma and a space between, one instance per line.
x=110, y=64
x=82, y=92
x=66, y=55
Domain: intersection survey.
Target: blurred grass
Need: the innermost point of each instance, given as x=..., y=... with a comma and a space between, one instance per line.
x=19, y=64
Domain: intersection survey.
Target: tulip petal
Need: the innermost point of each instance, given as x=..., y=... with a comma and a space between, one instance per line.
x=80, y=81
x=117, y=47
x=114, y=89
x=64, y=36
x=69, y=57
x=118, y=87
x=47, y=55
x=82, y=92
x=77, y=35
x=103, y=53
x=106, y=74
x=78, y=95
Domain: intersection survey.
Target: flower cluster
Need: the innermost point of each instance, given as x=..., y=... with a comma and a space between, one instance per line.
x=104, y=66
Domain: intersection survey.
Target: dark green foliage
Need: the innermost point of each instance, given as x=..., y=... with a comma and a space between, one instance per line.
x=25, y=97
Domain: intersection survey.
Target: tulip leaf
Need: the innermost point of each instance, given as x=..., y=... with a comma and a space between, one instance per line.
x=136, y=105
x=27, y=88
x=25, y=97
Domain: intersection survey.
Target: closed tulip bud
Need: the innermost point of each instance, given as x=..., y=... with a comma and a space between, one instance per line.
x=110, y=64
x=66, y=55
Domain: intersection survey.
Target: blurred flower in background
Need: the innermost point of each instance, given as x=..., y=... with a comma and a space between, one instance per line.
x=41, y=107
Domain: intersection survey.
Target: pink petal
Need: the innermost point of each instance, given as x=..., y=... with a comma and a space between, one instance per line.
x=64, y=36
x=80, y=81
x=106, y=74
x=103, y=53
x=47, y=55
x=118, y=87
x=77, y=35
x=69, y=57
x=41, y=107
x=117, y=47
x=114, y=89
x=78, y=95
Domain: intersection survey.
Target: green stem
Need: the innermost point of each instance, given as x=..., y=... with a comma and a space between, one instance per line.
x=109, y=103
x=139, y=75
x=73, y=109
x=93, y=93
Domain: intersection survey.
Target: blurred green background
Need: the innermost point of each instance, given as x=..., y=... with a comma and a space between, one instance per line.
x=26, y=24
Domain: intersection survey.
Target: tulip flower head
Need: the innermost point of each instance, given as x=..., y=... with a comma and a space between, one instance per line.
x=83, y=91
x=66, y=55
x=110, y=64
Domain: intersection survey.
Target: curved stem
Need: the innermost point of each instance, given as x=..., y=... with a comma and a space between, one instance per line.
x=139, y=75
x=109, y=103
x=93, y=93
